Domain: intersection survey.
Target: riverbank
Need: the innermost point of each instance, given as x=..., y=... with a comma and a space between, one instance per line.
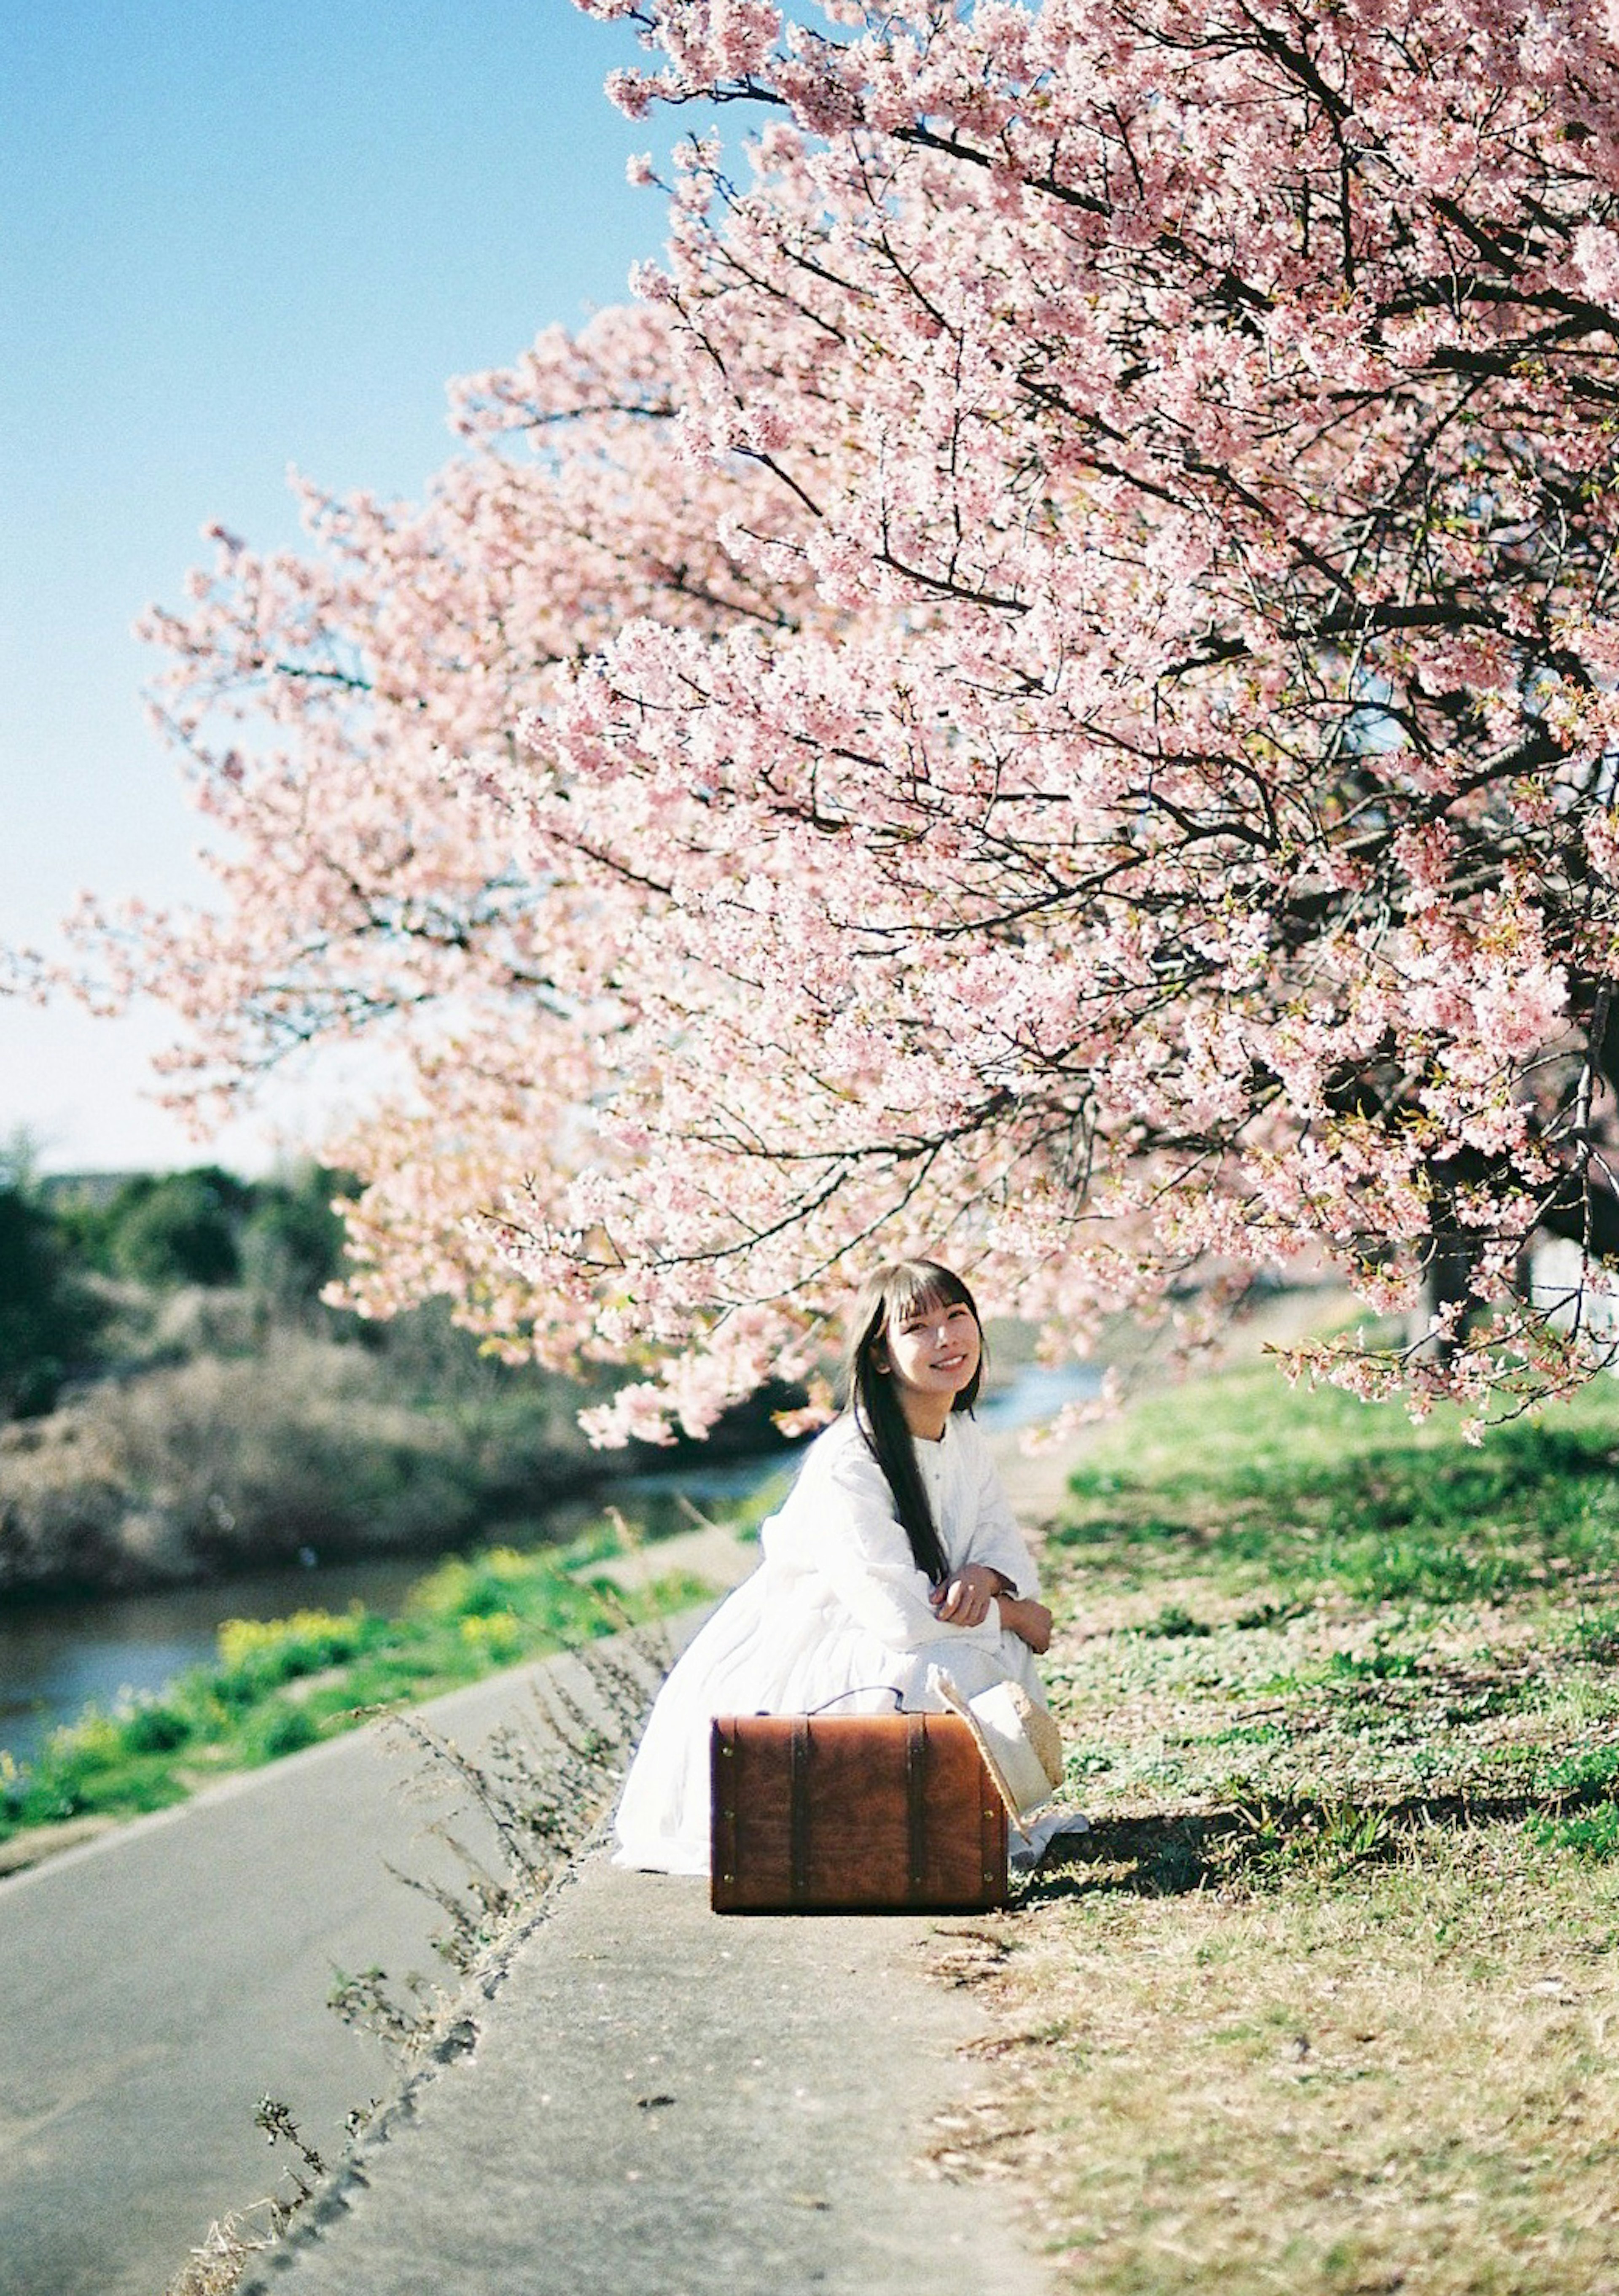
x=278, y=1686
x=233, y=1424
x=222, y=1441
x=274, y=1678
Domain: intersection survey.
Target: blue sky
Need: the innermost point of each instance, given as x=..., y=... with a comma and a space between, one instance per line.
x=237, y=237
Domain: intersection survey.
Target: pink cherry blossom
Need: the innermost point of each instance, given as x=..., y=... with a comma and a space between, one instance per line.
x=1050, y=692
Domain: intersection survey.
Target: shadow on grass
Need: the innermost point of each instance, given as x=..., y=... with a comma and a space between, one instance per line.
x=1268, y=1841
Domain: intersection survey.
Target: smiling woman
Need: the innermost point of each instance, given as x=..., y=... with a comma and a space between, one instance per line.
x=933, y=1353
x=896, y=1553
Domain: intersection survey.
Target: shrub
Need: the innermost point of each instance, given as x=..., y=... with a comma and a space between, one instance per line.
x=256, y=1654
x=88, y=1766
x=292, y=1240
x=279, y=1727
x=496, y=1636
x=47, y=1318
x=177, y=1228
x=156, y=1729
x=299, y=1644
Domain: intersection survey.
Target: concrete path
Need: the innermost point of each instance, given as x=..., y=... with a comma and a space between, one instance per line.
x=659, y=2102
x=156, y=1982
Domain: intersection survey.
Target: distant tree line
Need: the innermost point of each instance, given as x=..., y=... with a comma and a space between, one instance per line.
x=68, y=1244
x=208, y=1227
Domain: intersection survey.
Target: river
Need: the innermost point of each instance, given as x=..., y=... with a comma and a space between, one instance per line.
x=58, y=1658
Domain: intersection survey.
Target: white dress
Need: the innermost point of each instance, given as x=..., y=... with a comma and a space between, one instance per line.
x=837, y=1606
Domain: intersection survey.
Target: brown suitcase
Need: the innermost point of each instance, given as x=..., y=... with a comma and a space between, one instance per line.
x=853, y=1814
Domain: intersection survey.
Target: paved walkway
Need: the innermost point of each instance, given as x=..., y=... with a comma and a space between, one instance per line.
x=662, y=2102
x=657, y=2101
x=646, y=2099
x=155, y=1984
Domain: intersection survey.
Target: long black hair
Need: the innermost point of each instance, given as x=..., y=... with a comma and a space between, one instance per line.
x=893, y=1293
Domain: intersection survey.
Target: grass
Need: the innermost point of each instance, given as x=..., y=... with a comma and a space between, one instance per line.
x=1328, y=1998
x=278, y=1685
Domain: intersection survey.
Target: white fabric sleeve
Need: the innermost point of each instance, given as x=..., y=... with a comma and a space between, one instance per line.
x=996, y=1539
x=863, y=1552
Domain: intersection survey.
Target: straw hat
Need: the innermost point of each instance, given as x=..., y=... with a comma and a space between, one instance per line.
x=1019, y=1741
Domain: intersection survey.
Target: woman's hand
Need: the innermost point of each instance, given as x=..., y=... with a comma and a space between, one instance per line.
x=964, y=1600
x=1030, y=1622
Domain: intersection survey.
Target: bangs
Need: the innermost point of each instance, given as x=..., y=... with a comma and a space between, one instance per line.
x=914, y=1286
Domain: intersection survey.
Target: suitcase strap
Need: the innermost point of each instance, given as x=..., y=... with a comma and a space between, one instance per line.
x=798, y=1798
x=799, y=1807
x=860, y=1690
x=916, y=1800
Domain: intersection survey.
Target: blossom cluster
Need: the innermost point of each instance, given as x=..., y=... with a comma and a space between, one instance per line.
x=1050, y=691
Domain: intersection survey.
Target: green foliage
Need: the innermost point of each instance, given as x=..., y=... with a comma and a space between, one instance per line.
x=291, y=1242
x=1596, y=1636
x=1586, y=1775
x=1174, y=1623
x=279, y=1237
x=87, y=1767
x=1592, y=1833
x=278, y=1728
x=1314, y=1840
x=1379, y=1664
x=48, y=1320
x=1308, y=1489
x=281, y=1684
x=177, y=1227
x=156, y=1729
x=258, y=1655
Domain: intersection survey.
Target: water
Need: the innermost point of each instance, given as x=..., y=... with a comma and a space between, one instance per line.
x=58, y=1658
x=1039, y=1391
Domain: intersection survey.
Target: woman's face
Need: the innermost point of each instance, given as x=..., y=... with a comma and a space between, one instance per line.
x=932, y=1348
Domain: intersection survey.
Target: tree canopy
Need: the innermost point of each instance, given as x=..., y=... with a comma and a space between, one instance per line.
x=1050, y=692
x=48, y=1319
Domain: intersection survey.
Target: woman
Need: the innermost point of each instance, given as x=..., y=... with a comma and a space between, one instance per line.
x=896, y=1550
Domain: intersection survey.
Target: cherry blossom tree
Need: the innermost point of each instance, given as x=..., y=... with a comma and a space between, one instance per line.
x=1093, y=750
x=345, y=712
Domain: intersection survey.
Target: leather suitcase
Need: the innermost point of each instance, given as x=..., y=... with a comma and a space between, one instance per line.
x=853, y=1814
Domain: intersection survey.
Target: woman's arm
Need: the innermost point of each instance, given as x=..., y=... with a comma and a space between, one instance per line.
x=974, y=1594
x=965, y=1597
x=1029, y=1620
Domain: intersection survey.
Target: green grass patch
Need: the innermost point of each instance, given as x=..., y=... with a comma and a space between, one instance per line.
x=278, y=1685
x=1324, y=1999
x=1309, y=1489
x=1586, y=1774
x=1589, y=1834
